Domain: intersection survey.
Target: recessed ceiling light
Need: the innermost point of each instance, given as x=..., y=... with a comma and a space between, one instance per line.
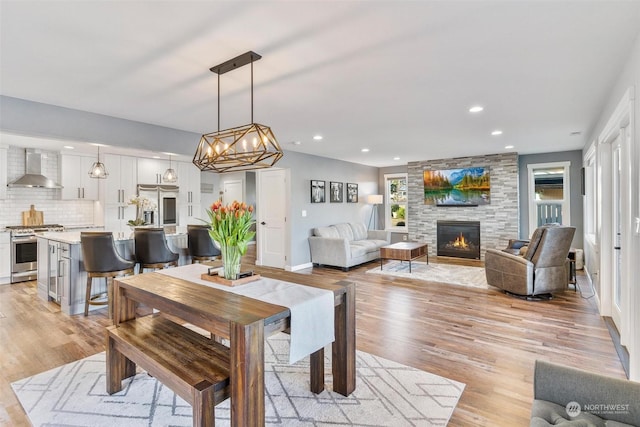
x=155, y=157
x=396, y=158
x=365, y=150
x=69, y=147
x=317, y=137
x=496, y=132
x=296, y=142
x=476, y=109
x=508, y=147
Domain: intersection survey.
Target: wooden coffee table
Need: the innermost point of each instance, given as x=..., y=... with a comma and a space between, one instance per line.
x=404, y=251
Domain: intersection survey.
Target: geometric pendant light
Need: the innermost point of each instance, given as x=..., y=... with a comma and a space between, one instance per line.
x=251, y=146
x=97, y=169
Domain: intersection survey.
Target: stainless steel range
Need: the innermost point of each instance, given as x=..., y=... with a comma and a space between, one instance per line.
x=24, y=250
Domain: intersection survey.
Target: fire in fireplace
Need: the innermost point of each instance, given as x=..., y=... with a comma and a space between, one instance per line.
x=459, y=239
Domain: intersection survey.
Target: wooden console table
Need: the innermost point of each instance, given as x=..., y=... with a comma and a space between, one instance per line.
x=246, y=322
x=404, y=251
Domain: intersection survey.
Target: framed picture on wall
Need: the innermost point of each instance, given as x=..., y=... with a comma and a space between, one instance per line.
x=336, y=191
x=352, y=193
x=318, y=192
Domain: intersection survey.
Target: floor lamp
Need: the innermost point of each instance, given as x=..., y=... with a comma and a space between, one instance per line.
x=375, y=200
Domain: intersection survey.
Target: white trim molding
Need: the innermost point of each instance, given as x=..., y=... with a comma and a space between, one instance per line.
x=620, y=127
x=298, y=267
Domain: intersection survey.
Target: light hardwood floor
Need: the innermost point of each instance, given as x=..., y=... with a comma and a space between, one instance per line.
x=483, y=338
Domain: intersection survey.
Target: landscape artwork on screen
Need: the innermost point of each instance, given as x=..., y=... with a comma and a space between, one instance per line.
x=457, y=187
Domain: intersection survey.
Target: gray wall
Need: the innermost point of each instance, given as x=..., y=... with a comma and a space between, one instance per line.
x=575, y=157
x=304, y=168
x=498, y=220
x=36, y=119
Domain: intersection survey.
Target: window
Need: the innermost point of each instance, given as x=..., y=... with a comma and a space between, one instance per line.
x=548, y=194
x=395, y=216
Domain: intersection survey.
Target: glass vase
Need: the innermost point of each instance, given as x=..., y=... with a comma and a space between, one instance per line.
x=230, y=261
x=140, y=216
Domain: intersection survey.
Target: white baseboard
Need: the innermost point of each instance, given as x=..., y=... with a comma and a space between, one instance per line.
x=593, y=290
x=298, y=267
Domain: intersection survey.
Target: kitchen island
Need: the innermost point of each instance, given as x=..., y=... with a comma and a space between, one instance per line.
x=61, y=274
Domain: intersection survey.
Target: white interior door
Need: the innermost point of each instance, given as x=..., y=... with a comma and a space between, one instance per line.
x=616, y=232
x=271, y=228
x=232, y=190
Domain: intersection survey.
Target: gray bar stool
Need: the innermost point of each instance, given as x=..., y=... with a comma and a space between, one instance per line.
x=152, y=250
x=200, y=244
x=101, y=259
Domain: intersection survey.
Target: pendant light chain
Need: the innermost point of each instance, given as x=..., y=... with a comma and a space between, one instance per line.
x=218, y=102
x=251, y=88
x=98, y=169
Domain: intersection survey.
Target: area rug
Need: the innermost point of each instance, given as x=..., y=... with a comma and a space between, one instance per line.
x=387, y=394
x=462, y=275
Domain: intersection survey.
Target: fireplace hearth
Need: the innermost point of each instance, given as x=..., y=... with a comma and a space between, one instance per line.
x=458, y=239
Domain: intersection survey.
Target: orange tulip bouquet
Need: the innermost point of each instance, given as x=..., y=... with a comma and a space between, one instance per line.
x=230, y=229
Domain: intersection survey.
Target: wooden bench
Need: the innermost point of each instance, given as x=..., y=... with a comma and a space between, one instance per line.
x=194, y=367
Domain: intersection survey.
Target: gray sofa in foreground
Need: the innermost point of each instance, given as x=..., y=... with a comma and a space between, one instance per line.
x=591, y=399
x=347, y=244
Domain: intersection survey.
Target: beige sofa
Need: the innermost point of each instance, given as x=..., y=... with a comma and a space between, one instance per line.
x=347, y=244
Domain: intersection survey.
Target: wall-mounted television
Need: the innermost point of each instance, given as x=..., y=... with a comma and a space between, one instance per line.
x=457, y=187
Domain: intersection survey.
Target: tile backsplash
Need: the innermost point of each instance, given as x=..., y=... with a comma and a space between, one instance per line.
x=55, y=211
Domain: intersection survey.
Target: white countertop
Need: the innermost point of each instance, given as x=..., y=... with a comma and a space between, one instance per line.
x=73, y=237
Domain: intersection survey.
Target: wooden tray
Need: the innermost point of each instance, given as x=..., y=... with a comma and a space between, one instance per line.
x=222, y=281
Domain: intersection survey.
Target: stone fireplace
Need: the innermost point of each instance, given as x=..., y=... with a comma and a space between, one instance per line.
x=498, y=220
x=459, y=239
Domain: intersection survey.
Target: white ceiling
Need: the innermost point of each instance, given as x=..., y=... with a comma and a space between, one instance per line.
x=397, y=77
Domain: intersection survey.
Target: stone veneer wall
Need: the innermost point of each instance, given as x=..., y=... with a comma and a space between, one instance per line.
x=498, y=220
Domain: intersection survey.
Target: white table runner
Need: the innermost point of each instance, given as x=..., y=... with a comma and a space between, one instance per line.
x=311, y=308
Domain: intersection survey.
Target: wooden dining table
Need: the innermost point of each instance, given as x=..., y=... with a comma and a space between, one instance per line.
x=245, y=322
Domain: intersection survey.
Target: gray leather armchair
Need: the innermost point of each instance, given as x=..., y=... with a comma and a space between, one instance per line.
x=542, y=269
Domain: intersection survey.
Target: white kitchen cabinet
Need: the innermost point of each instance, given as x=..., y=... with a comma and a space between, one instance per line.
x=76, y=183
x=5, y=258
x=119, y=188
x=150, y=171
x=120, y=185
x=3, y=173
x=116, y=218
x=189, y=196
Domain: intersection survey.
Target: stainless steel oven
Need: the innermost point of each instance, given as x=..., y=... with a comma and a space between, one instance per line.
x=24, y=258
x=24, y=251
